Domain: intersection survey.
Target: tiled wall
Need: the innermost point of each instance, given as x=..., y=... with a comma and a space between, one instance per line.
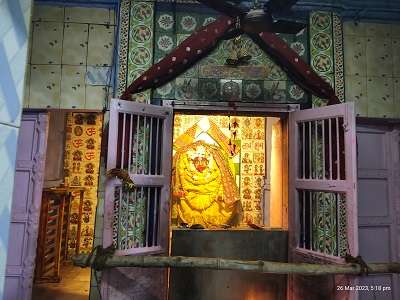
x=211, y=79
x=372, y=68
x=14, y=31
x=81, y=168
x=70, y=57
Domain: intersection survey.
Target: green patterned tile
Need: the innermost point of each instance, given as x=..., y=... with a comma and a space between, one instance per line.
x=165, y=42
x=187, y=22
x=186, y=89
x=164, y=22
x=167, y=91
x=209, y=89
x=253, y=90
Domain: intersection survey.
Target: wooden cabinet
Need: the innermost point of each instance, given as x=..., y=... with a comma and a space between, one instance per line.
x=53, y=233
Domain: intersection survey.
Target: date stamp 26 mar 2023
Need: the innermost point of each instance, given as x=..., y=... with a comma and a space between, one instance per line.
x=365, y=288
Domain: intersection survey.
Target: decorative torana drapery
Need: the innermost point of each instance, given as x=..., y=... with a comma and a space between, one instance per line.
x=204, y=40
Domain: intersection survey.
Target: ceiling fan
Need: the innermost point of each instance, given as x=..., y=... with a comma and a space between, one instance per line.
x=260, y=17
x=260, y=25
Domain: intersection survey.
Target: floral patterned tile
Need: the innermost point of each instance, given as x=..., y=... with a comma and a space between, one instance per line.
x=209, y=89
x=380, y=97
x=50, y=13
x=296, y=93
x=231, y=90
x=72, y=86
x=356, y=91
x=47, y=42
x=88, y=15
x=253, y=90
x=75, y=44
x=187, y=22
x=164, y=22
x=165, y=42
x=45, y=86
x=101, y=45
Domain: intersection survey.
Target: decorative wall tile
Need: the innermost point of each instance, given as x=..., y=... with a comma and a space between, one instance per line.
x=45, y=86
x=355, y=56
x=95, y=97
x=186, y=88
x=47, y=42
x=209, y=89
x=326, y=51
x=253, y=90
x=123, y=48
x=381, y=62
x=187, y=22
x=380, y=97
x=75, y=43
x=50, y=13
x=72, y=86
x=379, y=56
x=100, y=45
x=82, y=160
x=356, y=91
x=167, y=91
x=88, y=15
x=275, y=91
x=140, y=55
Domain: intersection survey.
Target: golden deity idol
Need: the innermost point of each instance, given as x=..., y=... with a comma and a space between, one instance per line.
x=204, y=188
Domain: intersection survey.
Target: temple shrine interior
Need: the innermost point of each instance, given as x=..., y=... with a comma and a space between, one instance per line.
x=227, y=172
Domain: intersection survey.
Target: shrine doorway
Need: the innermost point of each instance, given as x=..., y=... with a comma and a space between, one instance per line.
x=229, y=199
x=227, y=172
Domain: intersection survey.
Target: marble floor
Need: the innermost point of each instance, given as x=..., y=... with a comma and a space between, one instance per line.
x=74, y=285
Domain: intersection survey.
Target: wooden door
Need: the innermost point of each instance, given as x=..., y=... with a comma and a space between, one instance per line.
x=323, y=195
x=136, y=222
x=378, y=205
x=25, y=209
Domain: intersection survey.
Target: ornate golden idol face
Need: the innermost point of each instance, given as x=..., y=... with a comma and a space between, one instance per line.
x=200, y=163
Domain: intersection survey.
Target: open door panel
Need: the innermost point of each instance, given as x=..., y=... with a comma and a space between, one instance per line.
x=322, y=195
x=137, y=221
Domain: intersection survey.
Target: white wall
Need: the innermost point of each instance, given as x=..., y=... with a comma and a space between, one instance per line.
x=15, y=16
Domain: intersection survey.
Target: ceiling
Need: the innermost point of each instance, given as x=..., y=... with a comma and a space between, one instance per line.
x=358, y=10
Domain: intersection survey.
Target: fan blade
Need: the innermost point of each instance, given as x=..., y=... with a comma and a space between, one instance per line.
x=224, y=7
x=296, y=68
x=273, y=6
x=190, y=51
x=290, y=27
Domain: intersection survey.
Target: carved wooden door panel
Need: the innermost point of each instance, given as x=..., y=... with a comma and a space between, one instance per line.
x=323, y=196
x=25, y=211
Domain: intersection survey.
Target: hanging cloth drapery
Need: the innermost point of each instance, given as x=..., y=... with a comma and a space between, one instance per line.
x=206, y=39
